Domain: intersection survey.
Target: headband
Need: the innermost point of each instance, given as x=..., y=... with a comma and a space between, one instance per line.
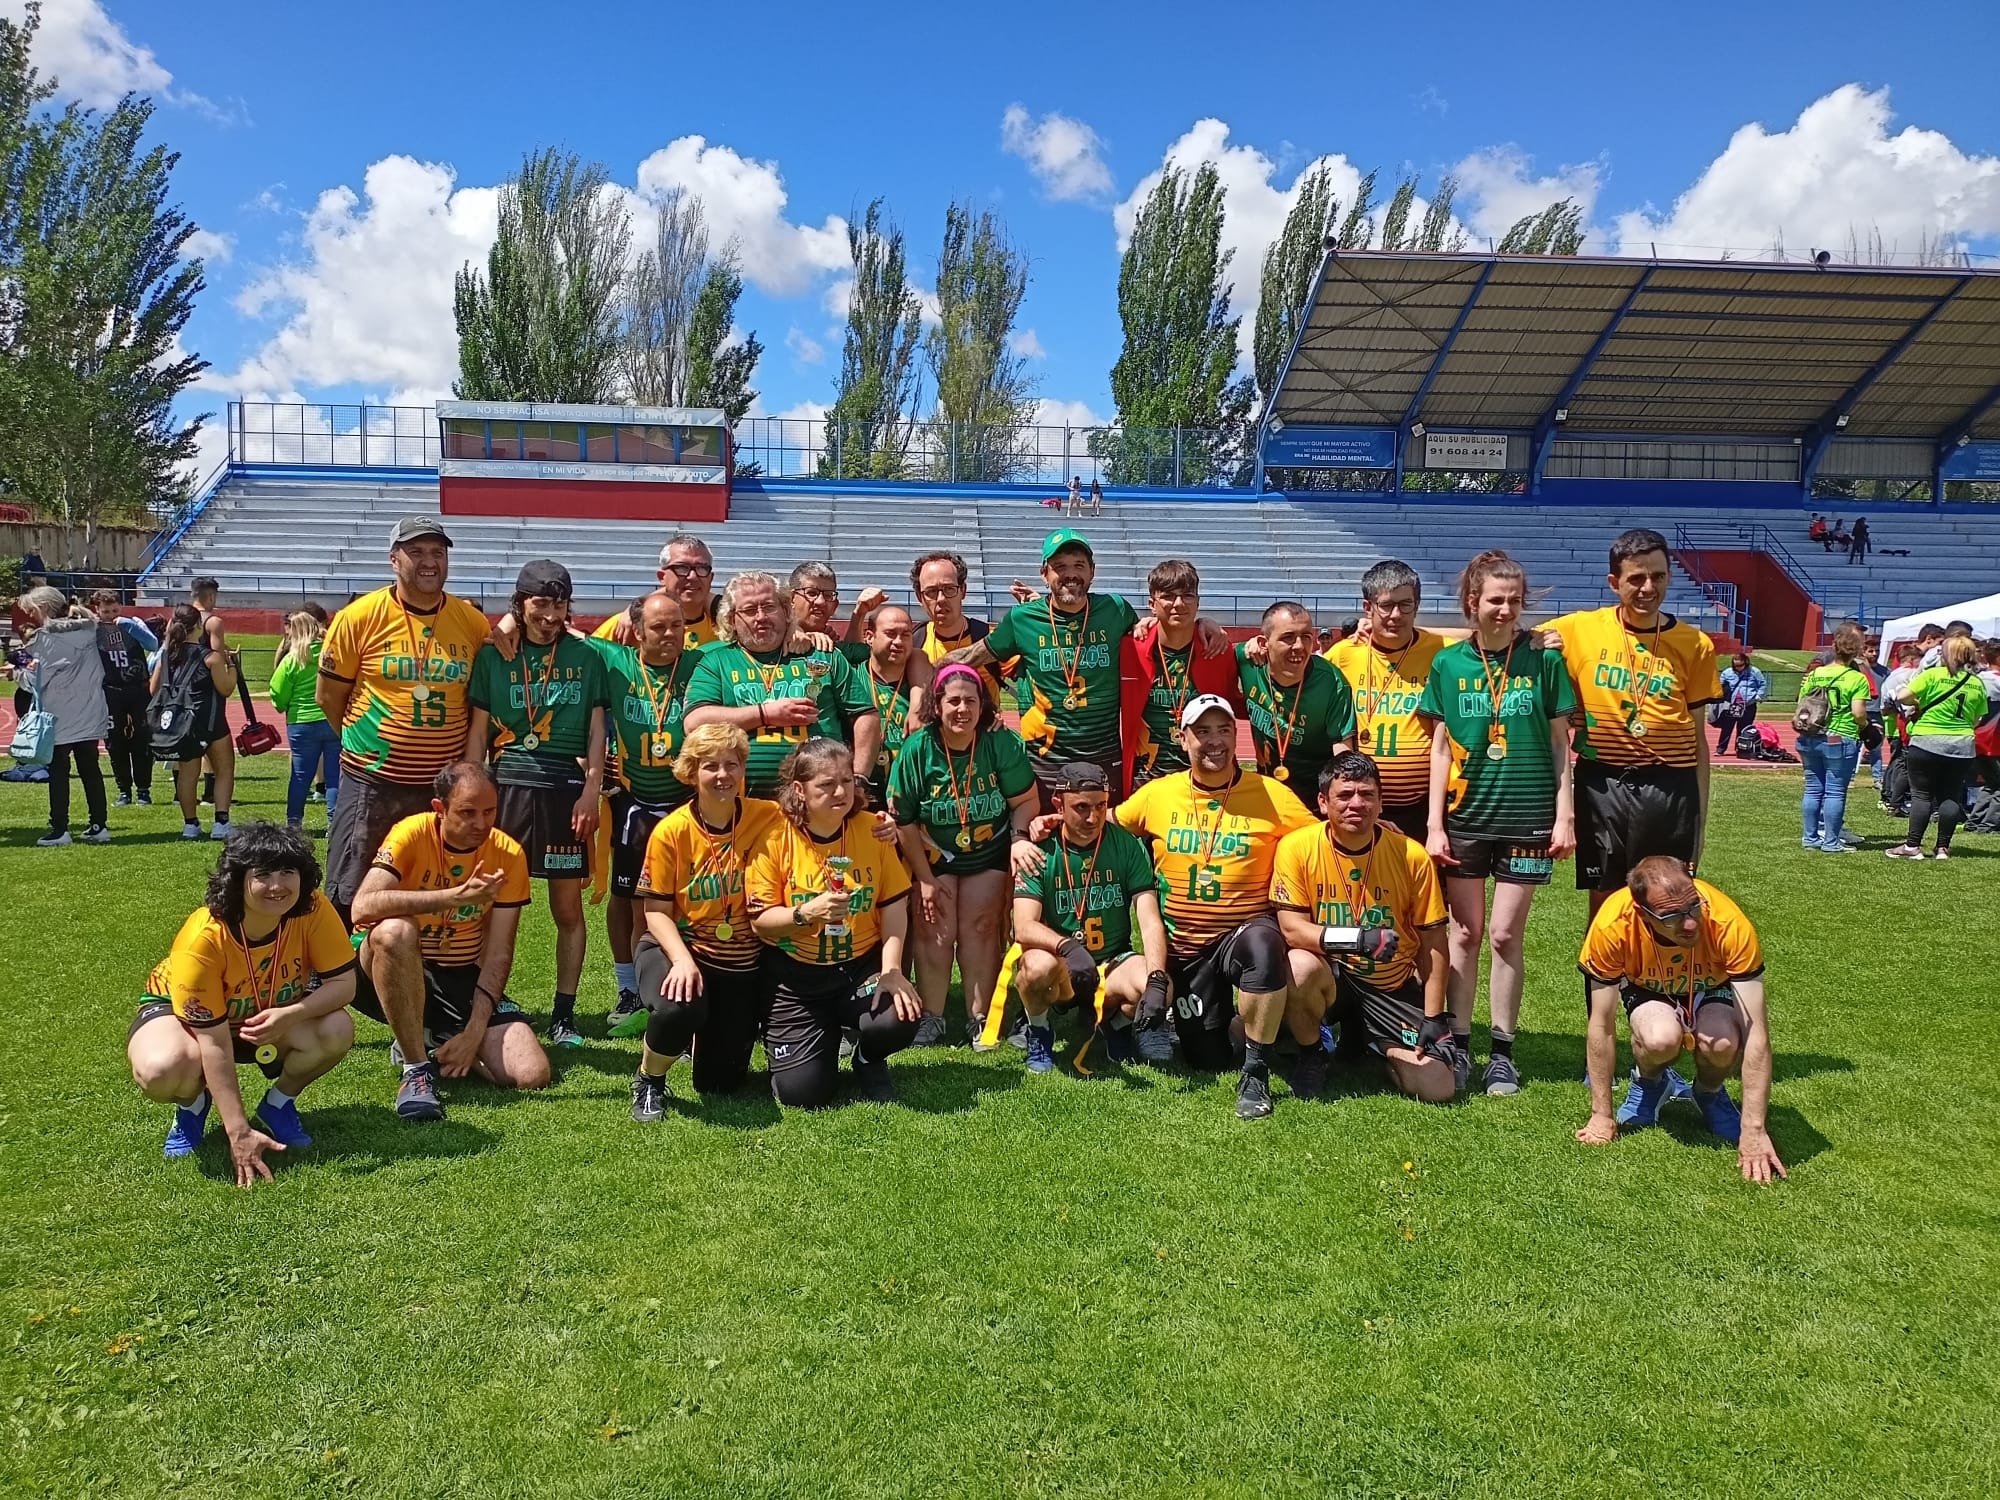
x=950, y=670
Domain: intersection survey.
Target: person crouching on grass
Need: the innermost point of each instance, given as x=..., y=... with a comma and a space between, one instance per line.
x=234, y=989
x=828, y=899
x=1685, y=963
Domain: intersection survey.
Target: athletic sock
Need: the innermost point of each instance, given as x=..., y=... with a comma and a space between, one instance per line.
x=198, y=1103
x=1254, y=1061
x=1501, y=1043
x=564, y=1008
x=277, y=1096
x=628, y=978
x=1463, y=1041
x=1044, y=1022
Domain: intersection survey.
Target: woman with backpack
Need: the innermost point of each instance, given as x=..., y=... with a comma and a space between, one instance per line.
x=315, y=743
x=66, y=675
x=1943, y=705
x=191, y=686
x=1831, y=699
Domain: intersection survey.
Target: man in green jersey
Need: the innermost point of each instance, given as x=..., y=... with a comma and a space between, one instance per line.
x=896, y=673
x=780, y=697
x=1073, y=924
x=648, y=687
x=541, y=719
x=1301, y=707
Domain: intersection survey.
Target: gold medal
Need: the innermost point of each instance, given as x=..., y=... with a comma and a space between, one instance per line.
x=419, y=693
x=1496, y=751
x=964, y=838
x=1636, y=729
x=660, y=747
x=267, y=1053
x=531, y=740
x=1283, y=773
x=724, y=931
x=1070, y=702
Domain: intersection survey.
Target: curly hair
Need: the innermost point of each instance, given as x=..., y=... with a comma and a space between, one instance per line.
x=804, y=763
x=989, y=713
x=260, y=846
x=725, y=604
x=706, y=743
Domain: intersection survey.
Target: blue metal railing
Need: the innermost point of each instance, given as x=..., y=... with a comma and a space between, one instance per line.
x=175, y=526
x=1747, y=536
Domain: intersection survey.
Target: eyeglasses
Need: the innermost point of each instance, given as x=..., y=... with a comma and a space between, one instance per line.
x=1177, y=596
x=939, y=591
x=1676, y=915
x=691, y=570
x=824, y=596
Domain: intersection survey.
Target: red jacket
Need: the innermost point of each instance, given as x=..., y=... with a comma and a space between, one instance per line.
x=1138, y=670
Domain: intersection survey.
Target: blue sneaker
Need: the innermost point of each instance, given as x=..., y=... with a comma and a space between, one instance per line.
x=1041, y=1049
x=1120, y=1045
x=1808, y=843
x=1641, y=1106
x=1721, y=1113
x=1677, y=1086
x=189, y=1127
x=281, y=1124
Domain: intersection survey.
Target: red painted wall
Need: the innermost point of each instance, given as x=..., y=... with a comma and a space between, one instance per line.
x=1781, y=615
x=604, y=501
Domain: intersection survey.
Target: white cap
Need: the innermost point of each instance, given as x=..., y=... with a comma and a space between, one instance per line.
x=1200, y=705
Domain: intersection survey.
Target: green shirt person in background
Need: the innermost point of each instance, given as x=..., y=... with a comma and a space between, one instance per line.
x=1944, y=705
x=315, y=744
x=1830, y=754
x=1300, y=705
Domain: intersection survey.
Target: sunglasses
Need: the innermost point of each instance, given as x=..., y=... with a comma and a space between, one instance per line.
x=1673, y=915
x=691, y=570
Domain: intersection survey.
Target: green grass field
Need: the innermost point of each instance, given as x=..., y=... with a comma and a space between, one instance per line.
x=1014, y=1286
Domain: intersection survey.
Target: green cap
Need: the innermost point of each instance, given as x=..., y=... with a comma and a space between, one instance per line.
x=1066, y=538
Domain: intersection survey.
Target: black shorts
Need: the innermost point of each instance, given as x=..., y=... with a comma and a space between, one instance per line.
x=1205, y=983
x=1509, y=861
x=1386, y=1018
x=153, y=1007
x=538, y=819
x=1624, y=816
x=1634, y=997
x=448, y=994
x=632, y=825
x=1411, y=819
x=367, y=808
x=806, y=1006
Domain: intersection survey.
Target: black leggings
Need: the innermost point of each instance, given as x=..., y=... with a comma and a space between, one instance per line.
x=721, y=1023
x=810, y=1004
x=84, y=753
x=1937, y=784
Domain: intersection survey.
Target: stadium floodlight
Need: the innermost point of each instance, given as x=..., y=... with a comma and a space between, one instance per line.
x=1841, y=420
x=1821, y=258
x=1964, y=438
x=1416, y=429
x=1562, y=413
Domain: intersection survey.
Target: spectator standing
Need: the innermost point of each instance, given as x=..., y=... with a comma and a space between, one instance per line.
x=1858, y=545
x=315, y=745
x=1096, y=498
x=1944, y=704
x=190, y=683
x=1830, y=754
x=219, y=788
x=1743, y=688
x=68, y=677
x=1076, y=494
x=124, y=645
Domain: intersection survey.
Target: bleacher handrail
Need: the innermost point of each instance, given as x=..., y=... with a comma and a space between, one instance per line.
x=1751, y=535
x=184, y=517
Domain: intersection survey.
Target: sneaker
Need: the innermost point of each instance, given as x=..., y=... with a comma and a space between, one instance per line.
x=1903, y=851
x=1677, y=1086
x=649, y=1098
x=190, y=832
x=1155, y=1044
x=1641, y=1106
x=188, y=1127
x=1041, y=1049
x=563, y=1033
x=97, y=833
x=975, y=1034
x=1461, y=1062
x=1253, y=1096
x=220, y=830
x=417, y=1098
x=1018, y=1037
x=145, y=799
x=628, y=1017
x=1500, y=1077
x=1309, y=1073
x=53, y=840
x=123, y=799
x=1721, y=1113
x=1120, y=1045
x=1941, y=854
x=874, y=1081
x=396, y=1058
x=1808, y=843
x=1836, y=846
x=930, y=1032
x=281, y=1123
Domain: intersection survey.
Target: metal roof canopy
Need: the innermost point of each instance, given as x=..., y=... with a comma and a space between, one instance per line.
x=1635, y=347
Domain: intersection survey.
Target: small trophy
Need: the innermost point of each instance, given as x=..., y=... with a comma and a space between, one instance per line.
x=836, y=883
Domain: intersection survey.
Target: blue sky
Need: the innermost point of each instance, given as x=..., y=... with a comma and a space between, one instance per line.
x=340, y=159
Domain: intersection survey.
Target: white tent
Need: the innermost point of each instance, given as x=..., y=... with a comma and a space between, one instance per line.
x=1983, y=615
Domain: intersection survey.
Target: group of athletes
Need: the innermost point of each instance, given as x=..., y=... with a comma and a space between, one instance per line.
x=805, y=839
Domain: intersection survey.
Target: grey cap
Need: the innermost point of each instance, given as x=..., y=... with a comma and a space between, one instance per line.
x=416, y=528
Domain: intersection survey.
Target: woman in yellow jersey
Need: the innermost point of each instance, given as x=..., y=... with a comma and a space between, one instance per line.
x=697, y=962
x=828, y=901
x=238, y=987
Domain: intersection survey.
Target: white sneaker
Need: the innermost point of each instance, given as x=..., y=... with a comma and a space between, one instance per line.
x=97, y=833
x=220, y=831
x=53, y=840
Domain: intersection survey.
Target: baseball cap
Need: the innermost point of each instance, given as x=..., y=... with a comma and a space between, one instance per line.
x=1057, y=540
x=415, y=528
x=1201, y=704
x=1082, y=776
x=544, y=579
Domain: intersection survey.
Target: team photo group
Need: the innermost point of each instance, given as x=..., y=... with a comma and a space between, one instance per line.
x=808, y=842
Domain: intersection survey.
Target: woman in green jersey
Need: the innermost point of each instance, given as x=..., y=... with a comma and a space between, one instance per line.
x=963, y=794
x=1943, y=706
x=1500, y=804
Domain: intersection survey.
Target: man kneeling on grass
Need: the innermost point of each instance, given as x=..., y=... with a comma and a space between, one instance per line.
x=237, y=988
x=1686, y=964
x=437, y=915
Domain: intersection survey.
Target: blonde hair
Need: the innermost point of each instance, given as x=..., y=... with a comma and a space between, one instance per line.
x=725, y=606
x=707, y=743
x=1960, y=653
x=302, y=628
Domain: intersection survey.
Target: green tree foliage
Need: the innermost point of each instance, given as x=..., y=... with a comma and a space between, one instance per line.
x=542, y=324
x=657, y=305
x=1290, y=268
x=1176, y=368
x=985, y=396
x=868, y=427
x=718, y=372
x=93, y=297
x=1556, y=230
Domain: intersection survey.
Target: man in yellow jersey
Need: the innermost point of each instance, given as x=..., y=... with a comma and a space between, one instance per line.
x=1363, y=914
x=1214, y=830
x=687, y=571
x=1386, y=663
x=437, y=916
x=394, y=672
x=1642, y=678
x=939, y=579
x=1685, y=963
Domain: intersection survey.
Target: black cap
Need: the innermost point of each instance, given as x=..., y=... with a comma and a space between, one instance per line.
x=544, y=579
x=1082, y=776
x=416, y=528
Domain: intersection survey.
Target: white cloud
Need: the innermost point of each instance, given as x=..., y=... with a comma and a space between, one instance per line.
x=95, y=63
x=1836, y=169
x=806, y=351
x=836, y=297
x=1051, y=413
x=1024, y=345
x=1064, y=154
x=745, y=201
x=370, y=302
x=208, y=245
x=1497, y=188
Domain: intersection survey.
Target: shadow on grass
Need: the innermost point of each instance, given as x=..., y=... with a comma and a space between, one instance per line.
x=357, y=1139
x=941, y=1086
x=1797, y=1141
x=1559, y=1059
